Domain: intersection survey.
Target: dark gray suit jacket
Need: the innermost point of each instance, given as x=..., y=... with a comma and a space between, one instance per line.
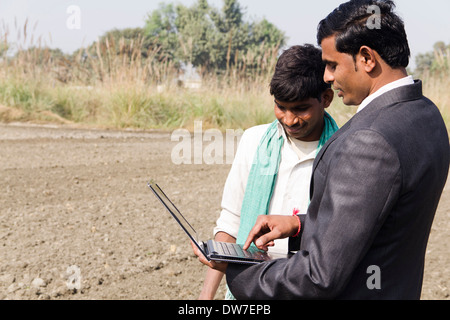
x=375, y=189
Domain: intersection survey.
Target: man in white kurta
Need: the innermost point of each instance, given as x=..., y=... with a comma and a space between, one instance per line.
x=291, y=192
x=301, y=97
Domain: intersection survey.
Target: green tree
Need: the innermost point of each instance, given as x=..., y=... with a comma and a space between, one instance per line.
x=126, y=40
x=160, y=29
x=194, y=31
x=211, y=38
x=232, y=34
x=436, y=61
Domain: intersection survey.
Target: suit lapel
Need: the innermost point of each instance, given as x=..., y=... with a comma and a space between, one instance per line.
x=330, y=141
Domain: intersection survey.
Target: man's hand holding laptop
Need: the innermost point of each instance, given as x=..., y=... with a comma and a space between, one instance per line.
x=216, y=265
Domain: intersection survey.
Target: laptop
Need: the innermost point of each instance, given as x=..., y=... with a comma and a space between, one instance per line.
x=211, y=249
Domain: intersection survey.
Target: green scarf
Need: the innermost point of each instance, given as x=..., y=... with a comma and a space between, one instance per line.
x=263, y=175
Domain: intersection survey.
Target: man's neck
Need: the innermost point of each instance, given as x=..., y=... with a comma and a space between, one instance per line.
x=395, y=82
x=388, y=77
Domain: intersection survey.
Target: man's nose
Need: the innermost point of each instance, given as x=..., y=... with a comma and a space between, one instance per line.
x=290, y=119
x=328, y=77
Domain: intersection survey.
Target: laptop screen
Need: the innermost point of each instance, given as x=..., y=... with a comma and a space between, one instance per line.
x=173, y=210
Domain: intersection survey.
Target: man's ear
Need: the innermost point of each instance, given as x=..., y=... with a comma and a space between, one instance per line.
x=367, y=59
x=327, y=97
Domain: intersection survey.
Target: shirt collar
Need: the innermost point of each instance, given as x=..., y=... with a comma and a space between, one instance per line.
x=282, y=132
x=390, y=86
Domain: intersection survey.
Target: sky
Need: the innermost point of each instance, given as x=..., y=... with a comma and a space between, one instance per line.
x=71, y=24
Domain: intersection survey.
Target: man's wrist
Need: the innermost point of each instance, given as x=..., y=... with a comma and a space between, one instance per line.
x=299, y=228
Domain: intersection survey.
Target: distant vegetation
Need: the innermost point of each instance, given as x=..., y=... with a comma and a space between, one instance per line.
x=434, y=69
x=184, y=64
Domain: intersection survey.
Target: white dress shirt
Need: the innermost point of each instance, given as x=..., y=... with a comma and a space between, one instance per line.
x=291, y=188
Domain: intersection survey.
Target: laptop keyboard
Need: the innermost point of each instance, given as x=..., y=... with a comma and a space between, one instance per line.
x=233, y=249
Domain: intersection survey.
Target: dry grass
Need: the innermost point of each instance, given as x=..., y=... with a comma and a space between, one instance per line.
x=112, y=85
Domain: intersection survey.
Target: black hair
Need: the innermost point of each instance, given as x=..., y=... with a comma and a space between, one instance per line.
x=299, y=74
x=371, y=23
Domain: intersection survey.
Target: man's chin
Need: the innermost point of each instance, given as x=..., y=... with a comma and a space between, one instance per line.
x=294, y=133
x=298, y=136
x=348, y=101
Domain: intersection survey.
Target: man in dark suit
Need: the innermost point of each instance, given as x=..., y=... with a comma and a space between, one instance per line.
x=376, y=183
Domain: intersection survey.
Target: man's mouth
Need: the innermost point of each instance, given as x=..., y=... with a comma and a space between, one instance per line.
x=294, y=129
x=339, y=92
